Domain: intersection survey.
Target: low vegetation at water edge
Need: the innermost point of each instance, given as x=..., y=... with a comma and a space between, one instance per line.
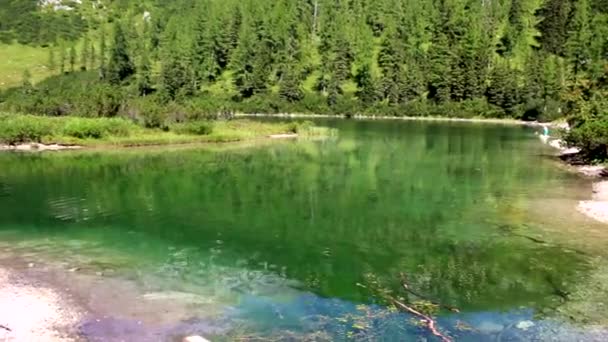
x=17, y=129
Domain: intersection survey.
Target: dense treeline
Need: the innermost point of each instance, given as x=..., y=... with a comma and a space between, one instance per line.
x=528, y=59
x=32, y=22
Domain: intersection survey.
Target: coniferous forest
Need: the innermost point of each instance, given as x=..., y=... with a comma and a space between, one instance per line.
x=159, y=62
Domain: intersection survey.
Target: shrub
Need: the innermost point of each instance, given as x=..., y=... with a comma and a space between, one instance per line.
x=194, y=128
x=146, y=111
x=83, y=128
x=25, y=128
x=591, y=136
x=299, y=126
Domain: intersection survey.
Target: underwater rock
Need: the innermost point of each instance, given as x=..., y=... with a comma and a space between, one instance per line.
x=488, y=327
x=114, y=329
x=525, y=325
x=194, y=338
x=186, y=297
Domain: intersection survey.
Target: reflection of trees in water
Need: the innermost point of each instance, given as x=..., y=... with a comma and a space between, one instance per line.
x=410, y=201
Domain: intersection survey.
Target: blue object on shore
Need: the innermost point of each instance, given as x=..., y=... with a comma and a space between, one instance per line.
x=546, y=130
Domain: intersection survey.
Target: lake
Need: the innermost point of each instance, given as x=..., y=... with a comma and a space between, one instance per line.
x=297, y=240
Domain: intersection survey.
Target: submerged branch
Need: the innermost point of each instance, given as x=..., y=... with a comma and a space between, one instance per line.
x=430, y=323
x=5, y=327
x=415, y=293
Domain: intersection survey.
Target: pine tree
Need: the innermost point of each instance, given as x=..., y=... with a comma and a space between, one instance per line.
x=176, y=78
x=390, y=61
x=502, y=89
x=62, y=58
x=440, y=66
x=72, y=57
x=552, y=78
x=415, y=82
x=513, y=30
x=52, y=64
x=201, y=46
x=533, y=86
x=178, y=75
x=333, y=91
x=85, y=53
x=93, y=58
x=579, y=43
x=144, y=70
x=367, y=91
x=554, y=21
x=252, y=59
x=26, y=82
x=120, y=65
x=102, y=54
x=289, y=86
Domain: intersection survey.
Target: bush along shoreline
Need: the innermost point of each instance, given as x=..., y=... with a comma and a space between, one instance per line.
x=51, y=133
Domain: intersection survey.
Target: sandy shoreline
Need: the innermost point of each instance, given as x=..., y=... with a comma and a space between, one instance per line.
x=34, y=312
x=38, y=147
x=597, y=207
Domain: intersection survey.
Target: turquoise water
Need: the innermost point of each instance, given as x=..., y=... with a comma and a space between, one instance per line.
x=297, y=238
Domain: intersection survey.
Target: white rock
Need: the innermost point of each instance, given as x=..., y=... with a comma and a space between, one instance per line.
x=525, y=325
x=194, y=338
x=490, y=327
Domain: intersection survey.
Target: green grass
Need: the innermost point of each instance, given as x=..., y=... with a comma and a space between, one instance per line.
x=17, y=129
x=16, y=58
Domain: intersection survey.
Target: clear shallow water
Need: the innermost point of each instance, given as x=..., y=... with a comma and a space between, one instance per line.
x=285, y=239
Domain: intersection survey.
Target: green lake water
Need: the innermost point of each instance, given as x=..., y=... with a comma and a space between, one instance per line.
x=288, y=238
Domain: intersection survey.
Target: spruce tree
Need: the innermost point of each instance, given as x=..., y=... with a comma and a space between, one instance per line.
x=440, y=69
x=62, y=58
x=102, y=54
x=252, y=58
x=579, y=42
x=93, y=57
x=366, y=86
x=85, y=53
x=72, y=58
x=120, y=65
x=554, y=19
x=26, y=81
x=289, y=86
x=52, y=64
x=144, y=70
x=390, y=61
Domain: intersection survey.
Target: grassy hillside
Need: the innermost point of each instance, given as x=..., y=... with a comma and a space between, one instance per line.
x=16, y=58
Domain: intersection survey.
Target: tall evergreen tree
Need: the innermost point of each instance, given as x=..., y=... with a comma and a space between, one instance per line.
x=62, y=58
x=102, y=54
x=252, y=58
x=93, y=57
x=367, y=91
x=26, y=81
x=579, y=42
x=72, y=57
x=85, y=53
x=144, y=78
x=52, y=64
x=440, y=68
x=554, y=22
x=120, y=65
